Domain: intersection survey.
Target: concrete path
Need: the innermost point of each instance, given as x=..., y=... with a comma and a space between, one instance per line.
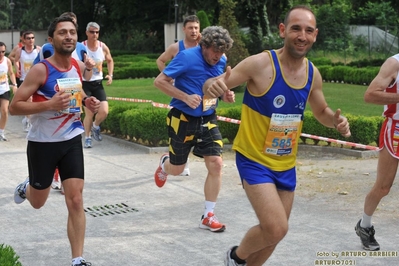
x=130, y=221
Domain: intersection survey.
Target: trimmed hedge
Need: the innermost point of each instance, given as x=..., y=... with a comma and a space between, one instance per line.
x=148, y=126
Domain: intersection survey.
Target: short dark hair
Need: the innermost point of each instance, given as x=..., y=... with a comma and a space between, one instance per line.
x=54, y=23
x=21, y=33
x=191, y=18
x=297, y=7
x=27, y=32
x=69, y=14
x=3, y=44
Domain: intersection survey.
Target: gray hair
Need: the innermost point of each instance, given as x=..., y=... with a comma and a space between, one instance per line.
x=92, y=24
x=216, y=37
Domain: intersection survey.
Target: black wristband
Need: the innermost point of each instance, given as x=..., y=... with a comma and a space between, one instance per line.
x=83, y=101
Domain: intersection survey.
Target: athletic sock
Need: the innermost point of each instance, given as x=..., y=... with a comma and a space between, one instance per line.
x=95, y=127
x=234, y=256
x=366, y=221
x=77, y=260
x=163, y=163
x=209, y=207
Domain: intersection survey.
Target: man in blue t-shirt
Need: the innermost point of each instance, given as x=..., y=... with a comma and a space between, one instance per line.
x=192, y=122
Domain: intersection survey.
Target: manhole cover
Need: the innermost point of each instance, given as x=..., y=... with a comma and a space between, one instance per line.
x=109, y=209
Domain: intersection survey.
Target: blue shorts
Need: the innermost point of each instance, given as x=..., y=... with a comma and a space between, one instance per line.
x=255, y=173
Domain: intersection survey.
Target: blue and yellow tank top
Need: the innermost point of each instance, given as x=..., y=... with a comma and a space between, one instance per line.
x=271, y=123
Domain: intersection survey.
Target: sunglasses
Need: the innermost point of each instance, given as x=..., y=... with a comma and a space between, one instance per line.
x=94, y=31
x=2, y=52
x=30, y=38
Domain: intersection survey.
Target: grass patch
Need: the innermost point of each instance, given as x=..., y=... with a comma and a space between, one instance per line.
x=8, y=257
x=345, y=96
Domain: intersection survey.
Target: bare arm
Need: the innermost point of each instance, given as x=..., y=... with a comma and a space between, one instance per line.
x=11, y=75
x=16, y=62
x=13, y=53
x=251, y=70
x=166, y=56
x=92, y=103
x=164, y=83
x=375, y=92
x=322, y=112
x=35, y=79
x=110, y=64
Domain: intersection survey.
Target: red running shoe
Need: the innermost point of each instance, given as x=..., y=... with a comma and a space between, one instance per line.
x=210, y=222
x=160, y=176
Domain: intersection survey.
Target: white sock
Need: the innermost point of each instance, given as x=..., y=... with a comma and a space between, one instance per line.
x=366, y=221
x=95, y=127
x=209, y=207
x=77, y=260
x=87, y=137
x=163, y=164
x=1, y=131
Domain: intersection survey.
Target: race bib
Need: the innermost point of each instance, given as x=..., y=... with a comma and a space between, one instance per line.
x=282, y=134
x=209, y=103
x=73, y=86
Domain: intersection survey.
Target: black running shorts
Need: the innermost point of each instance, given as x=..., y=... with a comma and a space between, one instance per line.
x=44, y=157
x=186, y=132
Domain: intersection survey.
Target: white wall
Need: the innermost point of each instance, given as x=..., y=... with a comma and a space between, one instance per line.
x=5, y=36
x=170, y=33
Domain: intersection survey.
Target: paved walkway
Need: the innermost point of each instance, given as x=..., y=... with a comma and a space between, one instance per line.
x=130, y=221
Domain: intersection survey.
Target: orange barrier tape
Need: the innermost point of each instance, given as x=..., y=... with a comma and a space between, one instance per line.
x=235, y=121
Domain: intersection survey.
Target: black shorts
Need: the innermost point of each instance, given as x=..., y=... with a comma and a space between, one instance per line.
x=44, y=157
x=19, y=81
x=5, y=95
x=96, y=89
x=187, y=131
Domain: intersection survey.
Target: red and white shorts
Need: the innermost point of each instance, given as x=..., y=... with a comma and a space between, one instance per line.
x=389, y=136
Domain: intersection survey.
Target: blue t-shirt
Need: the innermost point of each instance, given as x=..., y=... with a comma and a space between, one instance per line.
x=48, y=50
x=190, y=71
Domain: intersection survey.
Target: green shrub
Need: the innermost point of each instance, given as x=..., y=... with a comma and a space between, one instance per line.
x=8, y=257
x=229, y=129
x=321, y=61
x=149, y=125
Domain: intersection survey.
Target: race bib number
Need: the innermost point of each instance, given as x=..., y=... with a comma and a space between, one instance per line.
x=73, y=86
x=282, y=134
x=3, y=78
x=209, y=103
x=27, y=65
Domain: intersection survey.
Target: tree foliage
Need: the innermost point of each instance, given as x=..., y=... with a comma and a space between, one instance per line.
x=138, y=25
x=203, y=18
x=227, y=19
x=333, y=25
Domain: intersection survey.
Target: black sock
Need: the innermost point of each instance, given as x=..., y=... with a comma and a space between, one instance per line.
x=234, y=256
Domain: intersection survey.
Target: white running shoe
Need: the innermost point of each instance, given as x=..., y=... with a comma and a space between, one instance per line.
x=3, y=137
x=20, y=192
